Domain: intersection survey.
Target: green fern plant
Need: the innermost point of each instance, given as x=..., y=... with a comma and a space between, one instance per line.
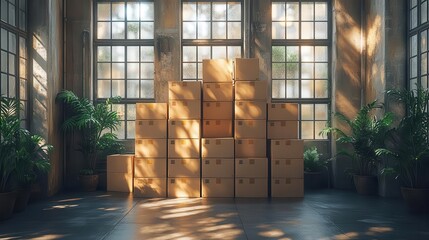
x=313, y=162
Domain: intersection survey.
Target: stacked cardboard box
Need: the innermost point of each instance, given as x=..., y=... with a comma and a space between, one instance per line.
x=184, y=139
x=120, y=173
x=150, y=150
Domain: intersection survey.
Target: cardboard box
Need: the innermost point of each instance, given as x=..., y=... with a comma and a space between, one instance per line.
x=217, y=110
x=250, y=148
x=217, y=147
x=250, y=110
x=183, y=168
x=250, y=129
x=287, y=148
x=218, y=168
x=213, y=92
x=184, y=187
x=217, y=70
x=120, y=163
x=150, y=167
x=282, y=129
x=151, y=148
x=151, y=111
x=119, y=182
x=184, y=148
x=251, y=167
x=251, y=90
x=287, y=187
x=184, y=109
x=246, y=69
x=283, y=111
x=184, y=129
x=251, y=187
x=150, y=187
x=287, y=168
x=190, y=90
x=151, y=129
x=217, y=187
x=217, y=128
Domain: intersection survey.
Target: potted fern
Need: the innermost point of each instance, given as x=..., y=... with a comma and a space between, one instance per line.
x=313, y=167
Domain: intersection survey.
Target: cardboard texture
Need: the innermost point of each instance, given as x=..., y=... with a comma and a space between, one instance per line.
x=119, y=182
x=183, y=168
x=217, y=128
x=251, y=167
x=283, y=111
x=184, y=129
x=151, y=129
x=287, y=148
x=151, y=148
x=287, y=168
x=184, y=90
x=251, y=187
x=251, y=90
x=218, y=168
x=217, y=187
x=150, y=167
x=151, y=111
x=183, y=187
x=150, y=187
x=246, y=69
x=250, y=148
x=282, y=129
x=250, y=129
x=183, y=148
x=287, y=187
x=217, y=110
x=184, y=109
x=250, y=110
x=120, y=163
x=217, y=70
x=214, y=92
x=217, y=147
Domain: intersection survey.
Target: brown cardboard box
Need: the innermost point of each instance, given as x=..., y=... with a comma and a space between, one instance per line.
x=217, y=147
x=184, y=90
x=250, y=129
x=251, y=90
x=251, y=167
x=151, y=148
x=184, y=187
x=287, y=148
x=120, y=163
x=282, y=129
x=213, y=92
x=287, y=187
x=251, y=187
x=246, y=69
x=217, y=187
x=150, y=167
x=217, y=70
x=217, y=110
x=283, y=111
x=150, y=187
x=251, y=110
x=184, y=109
x=218, y=168
x=217, y=128
x=250, y=148
x=184, y=148
x=287, y=168
x=119, y=182
x=184, y=129
x=183, y=168
x=151, y=129
x=151, y=111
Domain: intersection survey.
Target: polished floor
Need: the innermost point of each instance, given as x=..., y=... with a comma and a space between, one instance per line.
x=325, y=214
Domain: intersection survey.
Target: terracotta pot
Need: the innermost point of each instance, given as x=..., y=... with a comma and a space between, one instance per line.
x=88, y=183
x=22, y=196
x=7, y=202
x=417, y=199
x=313, y=180
x=366, y=185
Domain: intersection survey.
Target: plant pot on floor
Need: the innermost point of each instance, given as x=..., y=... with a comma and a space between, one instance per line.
x=313, y=180
x=417, y=199
x=88, y=183
x=366, y=185
x=7, y=202
x=22, y=197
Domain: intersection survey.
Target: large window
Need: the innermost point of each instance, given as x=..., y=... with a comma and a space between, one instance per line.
x=124, y=46
x=300, y=60
x=418, y=43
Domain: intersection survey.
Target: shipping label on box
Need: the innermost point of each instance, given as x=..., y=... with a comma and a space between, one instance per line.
x=251, y=90
x=119, y=182
x=218, y=168
x=214, y=92
x=151, y=129
x=120, y=163
x=183, y=148
x=283, y=111
x=287, y=168
x=217, y=110
x=217, y=70
x=184, y=187
x=282, y=129
x=287, y=148
x=250, y=110
x=150, y=167
x=150, y=187
x=217, y=187
x=151, y=148
x=251, y=187
x=246, y=69
x=217, y=147
x=251, y=167
x=184, y=109
x=250, y=148
x=184, y=90
x=250, y=129
x=183, y=167
x=217, y=128
x=287, y=187
x=151, y=111
x=184, y=128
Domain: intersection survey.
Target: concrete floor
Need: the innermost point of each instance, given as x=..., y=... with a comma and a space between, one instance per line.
x=326, y=214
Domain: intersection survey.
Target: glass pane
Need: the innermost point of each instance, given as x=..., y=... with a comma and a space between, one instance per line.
x=12, y=42
x=12, y=86
x=321, y=30
x=307, y=112
x=103, y=89
x=424, y=41
x=234, y=30
x=103, y=54
x=219, y=52
x=203, y=53
x=321, y=54
x=278, y=30
x=413, y=66
x=190, y=54
x=120, y=110
x=413, y=3
x=118, y=11
x=292, y=54
x=307, y=89
x=189, y=11
x=307, y=130
x=189, y=30
x=219, y=11
x=279, y=70
x=200, y=70
x=307, y=70
x=22, y=48
x=292, y=89
x=321, y=111
x=3, y=10
x=22, y=22
x=424, y=81
x=307, y=11
x=278, y=12
x=103, y=11
x=424, y=64
x=321, y=11
x=118, y=70
x=3, y=85
x=103, y=30
x=424, y=12
x=321, y=70
x=147, y=89
x=278, y=89
x=319, y=126
x=414, y=18
x=147, y=54
x=12, y=13
x=219, y=30
x=278, y=54
x=234, y=52
x=413, y=45
x=321, y=88
x=3, y=61
x=147, y=70
x=292, y=13
x=292, y=30
x=3, y=39
x=133, y=53
x=133, y=71
x=118, y=54
x=146, y=31
x=22, y=89
x=131, y=111
x=146, y=11
x=203, y=11
x=22, y=68
x=203, y=30
x=190, y=70
x=307, y=53
x=307, y=31
x=413, y=84
x=118, y=88
x=133, y=11
x=133, y=89
x=131, y=129
x=292, y=70
x=118, y=30
x=12, y=64
x=234, y=11
x=132, y=30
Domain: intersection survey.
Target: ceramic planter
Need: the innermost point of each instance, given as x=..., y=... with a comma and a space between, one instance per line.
x=366, y=185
